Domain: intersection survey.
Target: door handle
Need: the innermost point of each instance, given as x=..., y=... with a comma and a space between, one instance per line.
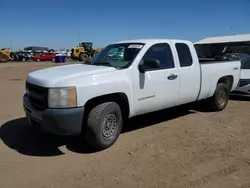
x=172, y=76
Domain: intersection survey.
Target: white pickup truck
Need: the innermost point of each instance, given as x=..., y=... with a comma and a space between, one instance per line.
x=94, y=98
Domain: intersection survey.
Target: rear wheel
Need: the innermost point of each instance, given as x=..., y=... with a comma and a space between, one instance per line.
x=37, y=60
x=104, y=124
x=220, y=98
x=83, y=57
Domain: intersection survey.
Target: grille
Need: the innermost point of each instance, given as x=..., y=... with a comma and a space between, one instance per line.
x=38, y=96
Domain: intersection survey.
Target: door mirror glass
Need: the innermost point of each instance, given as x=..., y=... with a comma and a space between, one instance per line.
x=148, y=64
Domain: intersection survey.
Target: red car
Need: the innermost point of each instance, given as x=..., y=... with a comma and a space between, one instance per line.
x=45, y=57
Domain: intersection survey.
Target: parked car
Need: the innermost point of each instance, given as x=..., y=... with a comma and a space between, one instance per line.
x=24, y=56
x=66, y=53
x=234, y=56
x=243, y=88
x=45, y=57
x=94, y=98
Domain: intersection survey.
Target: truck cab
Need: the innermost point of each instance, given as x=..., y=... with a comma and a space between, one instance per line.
x=86, y=45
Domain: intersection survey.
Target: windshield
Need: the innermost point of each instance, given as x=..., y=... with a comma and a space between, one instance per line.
x=87, y=45
x=117, y=55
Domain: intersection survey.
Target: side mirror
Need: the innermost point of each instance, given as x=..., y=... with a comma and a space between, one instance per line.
x=148, y=64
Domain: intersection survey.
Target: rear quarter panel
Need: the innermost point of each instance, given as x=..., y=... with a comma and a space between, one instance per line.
x=212, y=72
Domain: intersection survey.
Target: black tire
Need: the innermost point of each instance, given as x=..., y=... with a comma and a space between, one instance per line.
x=219, y=100
x=95, y=133
x=3, y=58
x=83, y=57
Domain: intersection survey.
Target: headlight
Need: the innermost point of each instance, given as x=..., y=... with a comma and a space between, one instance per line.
x=62, y=97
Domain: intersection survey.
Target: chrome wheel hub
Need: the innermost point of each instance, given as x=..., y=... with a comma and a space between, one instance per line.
x=222, y=98
x=109, y=125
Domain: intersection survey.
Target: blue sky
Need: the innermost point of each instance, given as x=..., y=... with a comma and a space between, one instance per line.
x=56, y=24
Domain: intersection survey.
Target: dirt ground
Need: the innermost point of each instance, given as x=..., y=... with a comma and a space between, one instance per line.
x=174, y=148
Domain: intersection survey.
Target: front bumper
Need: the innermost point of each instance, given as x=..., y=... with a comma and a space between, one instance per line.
x=56, y=121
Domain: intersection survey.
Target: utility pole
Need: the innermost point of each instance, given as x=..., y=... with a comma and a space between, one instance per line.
x=78, y=37
x=232, y=29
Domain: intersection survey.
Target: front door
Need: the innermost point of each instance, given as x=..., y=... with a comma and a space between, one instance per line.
x=157, y=89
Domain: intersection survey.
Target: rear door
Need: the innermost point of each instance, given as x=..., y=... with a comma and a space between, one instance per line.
x=189, y=72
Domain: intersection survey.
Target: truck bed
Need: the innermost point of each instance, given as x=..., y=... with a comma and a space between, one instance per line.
x=212, y=71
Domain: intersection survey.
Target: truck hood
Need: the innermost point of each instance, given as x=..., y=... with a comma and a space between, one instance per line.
x=50, y=76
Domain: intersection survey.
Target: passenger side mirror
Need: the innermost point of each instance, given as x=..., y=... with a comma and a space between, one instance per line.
x=148, y=64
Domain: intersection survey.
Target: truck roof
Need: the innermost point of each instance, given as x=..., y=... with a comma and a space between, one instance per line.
x=151, y=41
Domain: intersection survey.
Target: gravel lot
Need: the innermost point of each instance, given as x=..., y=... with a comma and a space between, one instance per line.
x=172, y=148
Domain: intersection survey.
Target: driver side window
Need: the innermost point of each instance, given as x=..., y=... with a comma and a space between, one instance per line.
x=163, y=53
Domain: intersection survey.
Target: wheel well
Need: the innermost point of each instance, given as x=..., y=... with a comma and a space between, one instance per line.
x=227, y=80
x=120, y=98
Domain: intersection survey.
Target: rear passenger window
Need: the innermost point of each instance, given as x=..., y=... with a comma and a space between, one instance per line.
x=184, y=54
x=245, y=63
x=163, y=53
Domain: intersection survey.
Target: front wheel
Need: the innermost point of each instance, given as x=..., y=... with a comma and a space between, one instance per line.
x=3, y=59
x=219, y=100
x=83, y=57
x=104, y=125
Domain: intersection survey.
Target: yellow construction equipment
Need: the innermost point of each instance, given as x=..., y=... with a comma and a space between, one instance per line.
x=84, y=51
x=5, y=55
